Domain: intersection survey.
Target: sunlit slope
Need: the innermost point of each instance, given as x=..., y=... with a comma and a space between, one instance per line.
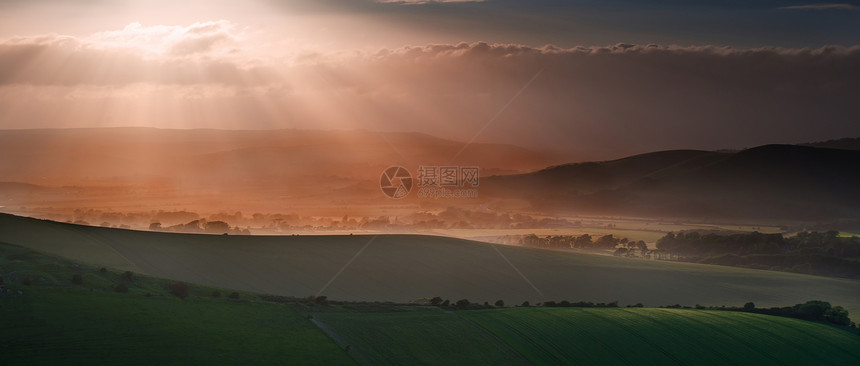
x=666, y=337
x=406, y=267
x=578, y=336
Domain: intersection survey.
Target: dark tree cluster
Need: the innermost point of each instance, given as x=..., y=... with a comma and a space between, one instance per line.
x=465, y=304
x=807, y=252
x=815, y=310
x=573, y=241
x=694, y=244
x=201, y=226
x=579, y=304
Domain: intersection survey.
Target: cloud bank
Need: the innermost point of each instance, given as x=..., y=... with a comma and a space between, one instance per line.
x=591, y=102
x=200, y=53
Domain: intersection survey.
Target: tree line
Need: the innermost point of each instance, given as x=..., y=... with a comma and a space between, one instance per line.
x=575, y=241
x=806, y=252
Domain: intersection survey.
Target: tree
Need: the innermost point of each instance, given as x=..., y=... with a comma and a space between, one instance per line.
x=813, y=310
x=179, y=289
x=322, y=300
x=607, y=242
x=436, y=301
x=526, y=304
x=613, y=304
x=462, y=304
x=500, y=303
x=837, y=315
x=217, y=227
x=582, y=241
x=216, y=293
x=155, y=226
x=233, y=295
x=749, y=306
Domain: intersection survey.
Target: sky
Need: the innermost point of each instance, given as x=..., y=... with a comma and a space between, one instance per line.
x=589, y=79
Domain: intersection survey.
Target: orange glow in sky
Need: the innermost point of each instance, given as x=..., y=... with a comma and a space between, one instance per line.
x=441, y=68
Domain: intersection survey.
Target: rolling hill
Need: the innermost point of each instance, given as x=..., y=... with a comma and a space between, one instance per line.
x=203, y=158
x=406, y=267
x=300, y=171
x=772, y=181
x=50, y=318
x=615, y=336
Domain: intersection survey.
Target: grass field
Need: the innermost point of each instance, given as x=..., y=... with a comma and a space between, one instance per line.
x=666, y=336
x=50, y=325
x=401, y=268
x=579, y=336
x=56, y=321
x=416, y=338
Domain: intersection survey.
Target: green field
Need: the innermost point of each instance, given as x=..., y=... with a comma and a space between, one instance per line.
x=402, y=268
x=666, y=336
x=421, y=336
x=46, y=326
x=580, y=336
x=56, y=321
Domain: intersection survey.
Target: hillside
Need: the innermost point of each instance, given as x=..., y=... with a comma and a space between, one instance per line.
x=614, y=336
x=772, y=181
x=406, y=267
x=54, y=319
x=49, y=319
x=141, y=169
x=847, y=143
x=195, y=158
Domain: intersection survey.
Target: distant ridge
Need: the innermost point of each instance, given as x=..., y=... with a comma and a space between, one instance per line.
x=770, y=181
x=848, y=143
x=232, y=158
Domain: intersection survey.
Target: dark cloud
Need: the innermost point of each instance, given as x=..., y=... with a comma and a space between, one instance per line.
x=591, y=102
x=624, y=98
x=582, y=22
x=824, y=6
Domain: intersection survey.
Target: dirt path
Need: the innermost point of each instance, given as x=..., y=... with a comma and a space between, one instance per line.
x=350, y=350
